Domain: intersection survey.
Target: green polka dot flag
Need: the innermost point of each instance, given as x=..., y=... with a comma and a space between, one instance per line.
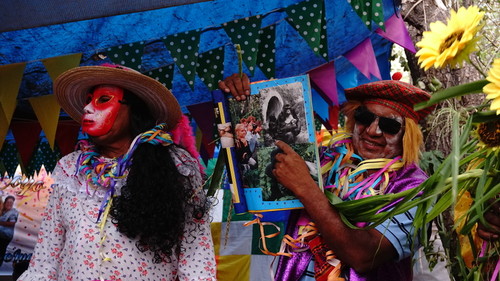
x=129, y=55
x=164, y=75
x=43, y=156
x=267, y=49
x=245, y=32
x=210, y=67
x=308, y=19
x=184, y=50
x=9, y=159
x=368, y=11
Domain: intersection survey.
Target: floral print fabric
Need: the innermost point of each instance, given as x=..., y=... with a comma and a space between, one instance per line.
x=68, y=245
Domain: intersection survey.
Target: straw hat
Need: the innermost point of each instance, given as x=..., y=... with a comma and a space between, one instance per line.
x=71, y=89
x=397, y=95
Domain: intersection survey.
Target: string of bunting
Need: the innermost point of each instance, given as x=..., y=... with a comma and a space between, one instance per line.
x=258, y=45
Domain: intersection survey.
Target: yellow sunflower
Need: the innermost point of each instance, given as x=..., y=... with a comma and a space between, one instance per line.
x=450, y=44
x=493, y=89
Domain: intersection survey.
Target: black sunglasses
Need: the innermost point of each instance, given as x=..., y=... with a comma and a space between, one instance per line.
x=387, y=125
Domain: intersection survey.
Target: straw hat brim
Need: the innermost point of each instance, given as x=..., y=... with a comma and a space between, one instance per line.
x=71, y=89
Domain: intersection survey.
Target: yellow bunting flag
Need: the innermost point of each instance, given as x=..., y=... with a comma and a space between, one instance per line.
x=10, y=80
x=47, y=111
x=57, y=65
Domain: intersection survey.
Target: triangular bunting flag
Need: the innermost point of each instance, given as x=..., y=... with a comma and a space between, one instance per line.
x=26, y=135
x=184, y=50
x=129, y=55
x=56, y=66
x=308, y=19
x=395, y=31
x=210, y=67
x=363, y=58
x=47, y=111
x=9, y=158
x=245, y=32
x=164, y=75
x=11, y=76
x=267, y=50
x=368, y=11
x=323, y=79
x=44, y=155
x=66, y=136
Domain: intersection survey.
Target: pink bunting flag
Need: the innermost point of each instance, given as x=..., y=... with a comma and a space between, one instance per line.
x=395, y=31
x=324, y=81
x=363, y=58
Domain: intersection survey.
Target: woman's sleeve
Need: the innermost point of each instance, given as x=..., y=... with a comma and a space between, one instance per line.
x=197, y=257
x=44, y=263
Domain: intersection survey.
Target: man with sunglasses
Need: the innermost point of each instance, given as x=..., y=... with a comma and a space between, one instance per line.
x=385, y=133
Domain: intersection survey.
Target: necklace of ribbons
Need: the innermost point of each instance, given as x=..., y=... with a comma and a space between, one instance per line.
x=349, y=180
x=102, y=173
x=346, y=174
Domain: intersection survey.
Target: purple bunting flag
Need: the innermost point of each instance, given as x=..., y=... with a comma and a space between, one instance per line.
x=395, y=31
x=363, y=58
x=324, y=81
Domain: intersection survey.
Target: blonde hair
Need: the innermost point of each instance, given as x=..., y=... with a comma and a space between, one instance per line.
x=412, y=137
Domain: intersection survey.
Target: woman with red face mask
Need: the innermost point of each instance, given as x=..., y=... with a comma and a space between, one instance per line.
x=128, y=204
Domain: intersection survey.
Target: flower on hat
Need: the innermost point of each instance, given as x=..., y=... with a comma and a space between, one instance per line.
x=492, y=89
x=451, y=43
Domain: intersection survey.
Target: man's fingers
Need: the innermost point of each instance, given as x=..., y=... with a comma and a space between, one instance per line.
x=246, y=84
x=285, y=147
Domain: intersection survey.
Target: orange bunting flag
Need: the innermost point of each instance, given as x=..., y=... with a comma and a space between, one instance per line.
x=10, y=80
x=57, y=65
x=47, y=111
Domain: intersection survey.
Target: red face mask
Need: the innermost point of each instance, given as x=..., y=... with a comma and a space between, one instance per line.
x=101, y=110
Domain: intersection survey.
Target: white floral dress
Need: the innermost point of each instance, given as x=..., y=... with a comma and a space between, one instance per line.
x=69, y=237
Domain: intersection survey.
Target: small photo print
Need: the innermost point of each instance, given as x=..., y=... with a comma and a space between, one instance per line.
x=283, y=114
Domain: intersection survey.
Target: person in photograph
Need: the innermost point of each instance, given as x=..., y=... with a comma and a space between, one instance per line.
x=128, y=203
x=243, y=152
x=8, y=220
x=287, y=125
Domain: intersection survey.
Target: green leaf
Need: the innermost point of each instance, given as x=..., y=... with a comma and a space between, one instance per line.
x=484, y=116
x=453, y=92
x=215, y=183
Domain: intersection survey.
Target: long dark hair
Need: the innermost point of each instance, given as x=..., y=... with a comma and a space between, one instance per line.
x=155, y=202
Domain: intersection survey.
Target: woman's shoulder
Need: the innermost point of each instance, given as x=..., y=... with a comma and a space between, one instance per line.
x=186, y=164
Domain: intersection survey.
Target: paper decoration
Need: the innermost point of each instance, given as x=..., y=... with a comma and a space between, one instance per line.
x=164, y=75
x=210, y=67
x=183, y=48
x=129, y=55
x=47, y=111
x=363, y=58
x=44, y=155
x=267, y=50
x=9, y=159
x=324, y=81
x=245, y=32
x=66, y=136
x=308, y=19
x=10, y=80
x=26, y=135
x=395, y=31
x=368, y=11
x=57, y=65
